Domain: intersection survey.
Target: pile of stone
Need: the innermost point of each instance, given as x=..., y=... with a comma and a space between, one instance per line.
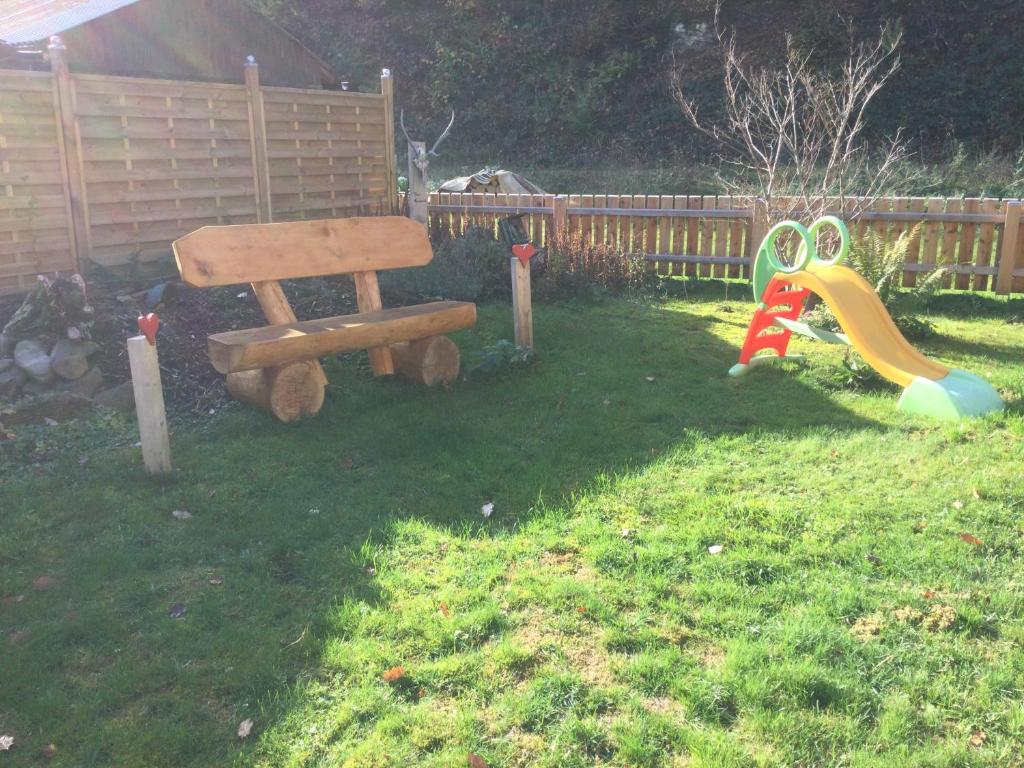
x=46, y=349
x=35, y=370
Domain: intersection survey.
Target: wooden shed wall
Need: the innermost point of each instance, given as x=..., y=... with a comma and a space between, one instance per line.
x=191, y=40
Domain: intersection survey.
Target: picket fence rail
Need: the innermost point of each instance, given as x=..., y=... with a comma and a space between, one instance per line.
x=978, y=241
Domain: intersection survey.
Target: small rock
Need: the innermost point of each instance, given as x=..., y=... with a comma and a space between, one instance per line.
x=181, y=514
x=715, y=549
x=69, y=359
x=33, y=359
x=120, y=397
x=87, y=385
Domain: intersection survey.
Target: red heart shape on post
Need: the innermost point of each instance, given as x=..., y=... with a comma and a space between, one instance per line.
x=524, y=252
x=149, y=324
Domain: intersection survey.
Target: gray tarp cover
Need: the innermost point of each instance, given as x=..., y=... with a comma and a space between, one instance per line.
x=505, y=182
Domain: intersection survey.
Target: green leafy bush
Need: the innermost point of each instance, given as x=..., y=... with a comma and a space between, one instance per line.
x=471, y=267
x=578, y=268
x=500, y=356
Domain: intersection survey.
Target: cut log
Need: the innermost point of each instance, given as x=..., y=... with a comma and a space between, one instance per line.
x=290, y=392
x=275, y=345
x=430, y=361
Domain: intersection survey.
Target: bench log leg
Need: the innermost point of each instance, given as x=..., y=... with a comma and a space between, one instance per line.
x=433, y=360
x=290, y=392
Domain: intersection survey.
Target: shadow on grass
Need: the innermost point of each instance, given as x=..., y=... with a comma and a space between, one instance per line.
x=281, y=515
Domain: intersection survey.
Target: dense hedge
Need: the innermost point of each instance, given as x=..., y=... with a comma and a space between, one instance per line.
x=543, y=79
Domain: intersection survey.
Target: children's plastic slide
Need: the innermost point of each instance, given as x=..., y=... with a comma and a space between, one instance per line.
x=929, y=387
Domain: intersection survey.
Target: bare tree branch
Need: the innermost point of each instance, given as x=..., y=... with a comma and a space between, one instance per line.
x=798, y=129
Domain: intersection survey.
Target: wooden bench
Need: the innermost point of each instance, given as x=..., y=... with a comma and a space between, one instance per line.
x=276, y=366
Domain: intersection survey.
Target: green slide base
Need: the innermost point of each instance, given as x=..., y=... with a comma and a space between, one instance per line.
x=957, y=396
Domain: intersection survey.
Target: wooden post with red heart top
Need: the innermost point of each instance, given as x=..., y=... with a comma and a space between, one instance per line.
x=149, y=397
x=522, y=301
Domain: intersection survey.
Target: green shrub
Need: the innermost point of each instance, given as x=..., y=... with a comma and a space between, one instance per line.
x=471, y=267
x=577, y=268
x=500, y=356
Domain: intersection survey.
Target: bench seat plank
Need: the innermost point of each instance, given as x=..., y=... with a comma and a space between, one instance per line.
x=274, y=345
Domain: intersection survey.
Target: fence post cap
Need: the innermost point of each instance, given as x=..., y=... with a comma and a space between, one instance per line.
x=57, y=43
x=386, y=72
x=250, y=61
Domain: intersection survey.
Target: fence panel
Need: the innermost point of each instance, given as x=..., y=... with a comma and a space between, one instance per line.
x=678, y=237
x=327, y=153
x=112, y=169
x=35, y=219
x=160, y=159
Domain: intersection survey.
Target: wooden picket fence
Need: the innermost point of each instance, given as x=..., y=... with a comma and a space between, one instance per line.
x=980, y=240
x=111, y=170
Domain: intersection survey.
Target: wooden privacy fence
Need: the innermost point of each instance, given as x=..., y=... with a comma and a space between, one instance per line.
x=112, y=169
x=714, y=236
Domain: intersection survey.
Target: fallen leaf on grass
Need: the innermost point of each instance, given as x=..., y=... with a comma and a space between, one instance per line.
x=44, y=582
x=181, y=514
x=49, y=750
x=715, y=549
x=217, y=581
x=443, y=608
x=971, y=539
x=978, y=738
x=6, y=742
x=245, y=728
x=347, y=462
x=975, y=493
x=928, y=594
x=475, y=761
x=178, y=610
x=393, y=675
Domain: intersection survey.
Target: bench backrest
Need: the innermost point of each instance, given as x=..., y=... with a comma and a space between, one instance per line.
x=254, y=253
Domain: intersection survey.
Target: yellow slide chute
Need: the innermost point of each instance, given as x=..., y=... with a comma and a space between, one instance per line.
x=866, y=322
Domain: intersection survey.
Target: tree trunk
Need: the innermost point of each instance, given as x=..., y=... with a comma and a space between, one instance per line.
x=430, y=361
x=290, y=392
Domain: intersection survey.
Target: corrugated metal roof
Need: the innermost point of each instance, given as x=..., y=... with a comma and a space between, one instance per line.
x=25, y=21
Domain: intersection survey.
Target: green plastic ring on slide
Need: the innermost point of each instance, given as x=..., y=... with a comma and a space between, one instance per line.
x=767, y=262
x=844, y=239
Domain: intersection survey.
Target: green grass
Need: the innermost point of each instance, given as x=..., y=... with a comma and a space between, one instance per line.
x=845, y=622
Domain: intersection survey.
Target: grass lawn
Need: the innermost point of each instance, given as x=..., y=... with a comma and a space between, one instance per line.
x=845, y=622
